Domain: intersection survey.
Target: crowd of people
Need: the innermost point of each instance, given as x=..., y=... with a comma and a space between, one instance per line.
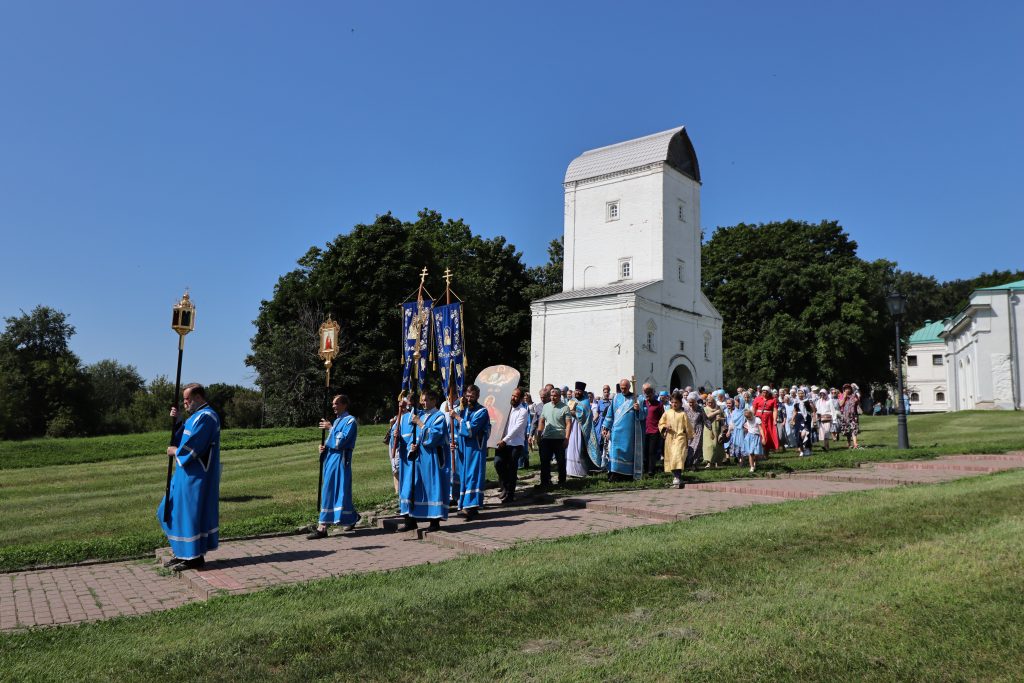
x=686, y=429
x=439, y=450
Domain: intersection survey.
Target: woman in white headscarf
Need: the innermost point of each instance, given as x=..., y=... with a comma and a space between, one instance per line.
x=695, y=414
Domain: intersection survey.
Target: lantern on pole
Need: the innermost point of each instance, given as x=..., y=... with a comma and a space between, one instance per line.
x=183, y=321
x=329, y=345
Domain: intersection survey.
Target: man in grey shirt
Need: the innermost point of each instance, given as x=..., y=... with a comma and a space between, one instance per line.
x=555, y=428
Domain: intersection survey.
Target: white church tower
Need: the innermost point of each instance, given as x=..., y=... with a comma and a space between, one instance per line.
x=631, y=303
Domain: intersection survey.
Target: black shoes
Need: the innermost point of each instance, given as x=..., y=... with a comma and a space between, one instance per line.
x=315, y=534
x=410, y=524
x=470, y=514
x=182, y=565
x=435, y=524
x=171, y=562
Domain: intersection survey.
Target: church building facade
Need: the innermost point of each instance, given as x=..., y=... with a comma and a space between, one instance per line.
x=631, y=303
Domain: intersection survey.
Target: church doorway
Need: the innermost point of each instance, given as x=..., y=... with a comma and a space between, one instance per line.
x=681, y=378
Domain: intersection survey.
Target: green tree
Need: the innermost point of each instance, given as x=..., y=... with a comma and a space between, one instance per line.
x=798, y=305
x=114, y=387
x=360, y=278
x=44, y=388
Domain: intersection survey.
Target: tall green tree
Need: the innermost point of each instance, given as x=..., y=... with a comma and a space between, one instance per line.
x=360, y=278
x=798, y=304
x=44, y=387
x=114, y=387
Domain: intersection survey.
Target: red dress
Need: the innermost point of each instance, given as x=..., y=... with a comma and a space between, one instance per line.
x=764, y=408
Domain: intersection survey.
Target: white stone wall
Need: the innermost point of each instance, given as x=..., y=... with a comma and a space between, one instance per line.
x=594, y=245
x=926, y=379
x=604, y=339
x=984, y=358
x=589, y=340
x=682, y=239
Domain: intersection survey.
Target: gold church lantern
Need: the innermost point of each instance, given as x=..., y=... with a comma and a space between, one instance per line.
x=329, y=332
x=183, y=317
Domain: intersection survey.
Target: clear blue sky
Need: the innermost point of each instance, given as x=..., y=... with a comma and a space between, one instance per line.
x=149, y=146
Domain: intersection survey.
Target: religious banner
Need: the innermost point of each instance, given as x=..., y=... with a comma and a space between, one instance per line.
x=415, y=340
x=449, y=338
x=497, y=383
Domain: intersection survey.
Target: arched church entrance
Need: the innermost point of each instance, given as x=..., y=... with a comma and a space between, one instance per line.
x=681, y=378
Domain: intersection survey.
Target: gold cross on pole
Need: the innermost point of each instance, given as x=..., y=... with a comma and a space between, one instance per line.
x=447, y=276
x=423, y=276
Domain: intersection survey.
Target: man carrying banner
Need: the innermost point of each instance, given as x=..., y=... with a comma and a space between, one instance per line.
x=336, y=506
x=192, y=527
x=472, y=427
x=623, y=427
x=425, y=491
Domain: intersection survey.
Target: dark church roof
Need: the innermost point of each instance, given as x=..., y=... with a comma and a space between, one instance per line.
x=670, y=146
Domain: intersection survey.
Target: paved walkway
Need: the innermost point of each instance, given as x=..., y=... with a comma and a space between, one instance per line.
x=101, y=591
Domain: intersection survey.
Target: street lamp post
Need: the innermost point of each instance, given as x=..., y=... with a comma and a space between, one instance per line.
x=897, y=304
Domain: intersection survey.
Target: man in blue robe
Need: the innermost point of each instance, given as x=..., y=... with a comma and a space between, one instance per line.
x=585, y=425
x=336, y=506
x=624, y=428
x=195, y=488
x=472, y=426
x=425, y=488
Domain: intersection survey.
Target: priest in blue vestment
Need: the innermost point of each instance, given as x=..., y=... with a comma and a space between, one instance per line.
x=472, y=425
x=426, y=486
x=624, y=429
x=336, y=506
x=195, y=487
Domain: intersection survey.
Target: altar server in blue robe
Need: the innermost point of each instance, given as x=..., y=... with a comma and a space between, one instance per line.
x=426, y=494
x=336, y=506
x=195, y=486
x=472, y=426
x=624, y=428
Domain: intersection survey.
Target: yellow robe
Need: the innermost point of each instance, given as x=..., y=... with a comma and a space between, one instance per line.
x=678, y=432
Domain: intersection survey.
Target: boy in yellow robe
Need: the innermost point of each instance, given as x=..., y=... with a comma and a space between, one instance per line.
x=676, y=428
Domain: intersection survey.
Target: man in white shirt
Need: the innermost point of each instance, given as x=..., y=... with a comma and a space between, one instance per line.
x=511, y=447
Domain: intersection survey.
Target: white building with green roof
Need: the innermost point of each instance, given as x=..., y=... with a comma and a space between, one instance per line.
x=927, y=384
x=983, y=351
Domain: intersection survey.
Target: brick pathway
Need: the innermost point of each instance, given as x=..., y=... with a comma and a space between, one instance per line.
x=102, y=591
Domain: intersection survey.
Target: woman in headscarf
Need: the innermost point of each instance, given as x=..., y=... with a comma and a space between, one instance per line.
x=734, y=425
x=826, y=416
x=714, y=451
x=767, y=409
x=697, y=418
x=849, y=408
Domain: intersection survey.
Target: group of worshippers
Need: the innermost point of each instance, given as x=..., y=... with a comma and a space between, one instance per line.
x=439, y=450
x=627, y=436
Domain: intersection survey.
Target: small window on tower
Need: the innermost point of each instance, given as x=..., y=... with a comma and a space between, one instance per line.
x=707, y=346
x=612, y=211
x=936, y=359
x=682, y=211
x=625, y=269
x=681, y=270
x=912, y=361
x=682, y=345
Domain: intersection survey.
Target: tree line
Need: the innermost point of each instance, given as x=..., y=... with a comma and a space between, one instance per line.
x=47, y=391
x=798, y=305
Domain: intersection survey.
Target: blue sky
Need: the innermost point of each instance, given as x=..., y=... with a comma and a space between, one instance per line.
x=146, y=147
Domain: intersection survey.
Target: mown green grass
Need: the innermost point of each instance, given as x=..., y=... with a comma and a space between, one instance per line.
x=913, y=583
x=106, y=510
x=46, y=452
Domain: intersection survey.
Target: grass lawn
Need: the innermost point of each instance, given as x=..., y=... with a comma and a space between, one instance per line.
x=44, y=452
x=912, y=583
x=106, y=510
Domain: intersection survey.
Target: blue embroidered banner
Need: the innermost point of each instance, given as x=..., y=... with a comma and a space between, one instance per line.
x=448, y=334
x=415, y=332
